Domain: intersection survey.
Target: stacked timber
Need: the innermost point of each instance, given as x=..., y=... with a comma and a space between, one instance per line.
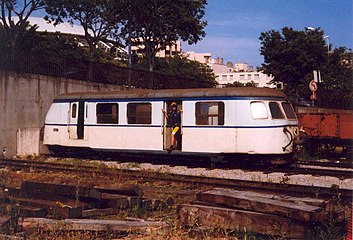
x=72, y=207
x=259, y=212
x=96, y=225
x=65, y=200
x=4, y=219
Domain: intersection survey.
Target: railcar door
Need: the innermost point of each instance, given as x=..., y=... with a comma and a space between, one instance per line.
x=76, y=120
x=168, y=128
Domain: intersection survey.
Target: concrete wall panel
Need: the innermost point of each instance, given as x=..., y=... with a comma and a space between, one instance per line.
x=28, y=141
x=24, y=102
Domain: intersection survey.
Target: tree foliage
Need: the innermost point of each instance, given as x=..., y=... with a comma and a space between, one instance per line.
x=337, y=78
x=155, y=24
x=291, y=56
x=98, y=18
x=60, y=45
x=194, y=73
x=239, y=84
x=15, y=31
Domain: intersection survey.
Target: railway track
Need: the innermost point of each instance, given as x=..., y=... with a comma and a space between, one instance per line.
x=149, y=176
x=308, y=169
x=336, y=164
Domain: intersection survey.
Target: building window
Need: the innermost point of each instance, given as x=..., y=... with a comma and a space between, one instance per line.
x=209, y=113
x=258, y=110
x=249, y=76
x=139, y=113
x=276, y=111
x=107, y=113
x=256, y=76
x=224, y=77
x=231, y=77
x=241, y=77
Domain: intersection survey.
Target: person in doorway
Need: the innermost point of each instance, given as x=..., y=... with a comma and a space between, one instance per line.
x=174, y=118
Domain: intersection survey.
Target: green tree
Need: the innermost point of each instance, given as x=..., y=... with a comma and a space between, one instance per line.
x=235, y=84
x=155, y=24
x=336, y=86
x=69, y=46
x=239, y=84
x=291, y=55
x=182, y=72
x=99, y=19
x=15, y=31
x=58, y=45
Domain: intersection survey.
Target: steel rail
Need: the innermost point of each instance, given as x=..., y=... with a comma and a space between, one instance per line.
x=343, y=164
x=306, y=170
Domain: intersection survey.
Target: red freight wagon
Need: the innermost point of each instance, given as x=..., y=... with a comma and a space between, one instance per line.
x=328, y=130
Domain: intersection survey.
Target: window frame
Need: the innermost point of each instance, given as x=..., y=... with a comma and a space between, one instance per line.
x=102, y=116
x=264, y=107
x=138, y=120
x=276, y=116
x=74, y=110
x=199, y=117
x=291, y=114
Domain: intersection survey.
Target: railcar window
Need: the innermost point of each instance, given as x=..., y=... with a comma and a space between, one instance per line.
x=139, y=113
x=73, y=110
x=107, y=113
x=288, y=110
x=209, y=113
x=276, y=111
x=258, y=110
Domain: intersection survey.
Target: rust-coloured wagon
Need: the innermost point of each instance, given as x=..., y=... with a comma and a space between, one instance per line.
x=326, y=130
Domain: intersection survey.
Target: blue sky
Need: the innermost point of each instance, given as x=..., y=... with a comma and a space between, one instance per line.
x=234, y=26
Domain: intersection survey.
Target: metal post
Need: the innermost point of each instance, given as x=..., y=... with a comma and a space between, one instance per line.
x=328, y=46
x=129, y=47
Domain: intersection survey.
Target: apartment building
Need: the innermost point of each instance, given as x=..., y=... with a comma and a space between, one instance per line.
x=199, y=57
x=171, y=50
x=230, y=73
x=259, y=78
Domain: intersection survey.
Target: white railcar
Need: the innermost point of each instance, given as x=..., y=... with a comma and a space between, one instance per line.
x=215, y=122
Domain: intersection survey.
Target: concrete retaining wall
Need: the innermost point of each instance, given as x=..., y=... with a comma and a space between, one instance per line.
x=24, y=102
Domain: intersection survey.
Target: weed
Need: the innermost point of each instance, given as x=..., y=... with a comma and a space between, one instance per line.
x=330, y=229
x=134, y=165
x=237, y=233
x=139, y=212
x=242, y=233
x=10, y=208
x=285, y=180
x=2, y=184
x=335, y=186
x=269, y=180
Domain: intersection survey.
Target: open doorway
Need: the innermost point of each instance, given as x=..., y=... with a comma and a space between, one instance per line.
x=172, y=128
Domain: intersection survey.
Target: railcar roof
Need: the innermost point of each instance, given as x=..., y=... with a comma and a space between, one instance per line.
x=176, y=93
